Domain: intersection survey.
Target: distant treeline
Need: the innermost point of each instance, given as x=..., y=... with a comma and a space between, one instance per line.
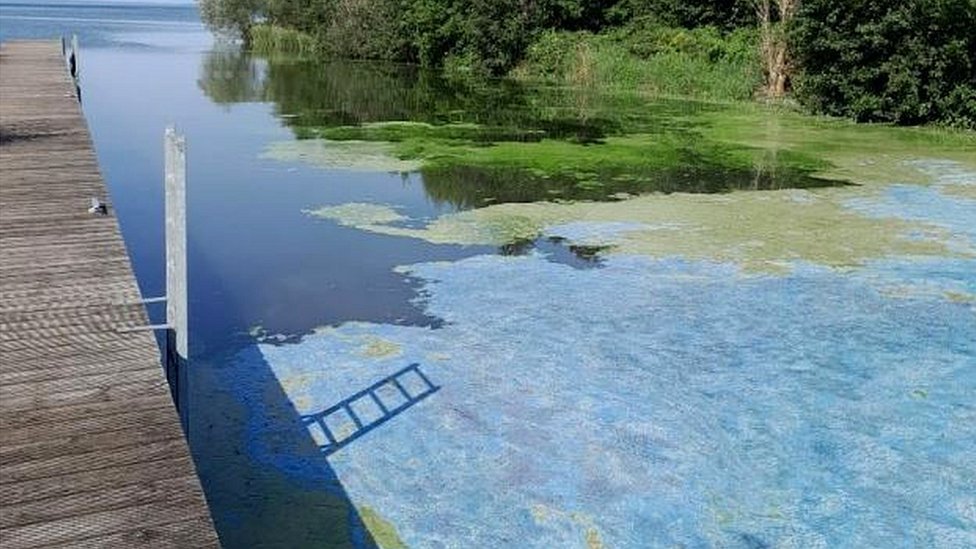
x=908, y=62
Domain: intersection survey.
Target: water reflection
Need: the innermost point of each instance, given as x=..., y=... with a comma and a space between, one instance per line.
x=624, y=144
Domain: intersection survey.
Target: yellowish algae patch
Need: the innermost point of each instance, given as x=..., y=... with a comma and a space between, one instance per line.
x=377, y=347
x=370, y=346
x=357, y=214
x=543, y=514
x=349, y=155
x=959, y=296
x=762, y=231
x=961, y=191
x=861, y=153
x=382, y=531
x=298, y=382
x=593, y=540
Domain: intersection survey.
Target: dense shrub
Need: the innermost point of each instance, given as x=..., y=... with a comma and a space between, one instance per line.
x=724, y=14
x=272, y=39
x=907, y=62
x=902, y=62
x=487, y=36
x=703, y=63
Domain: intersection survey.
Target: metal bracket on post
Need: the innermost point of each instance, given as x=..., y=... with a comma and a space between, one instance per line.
x=177, y=343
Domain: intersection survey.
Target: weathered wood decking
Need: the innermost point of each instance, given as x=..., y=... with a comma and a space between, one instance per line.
x=91, y=452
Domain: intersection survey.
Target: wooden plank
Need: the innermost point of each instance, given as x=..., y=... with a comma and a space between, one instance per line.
x=176, y=535
x=58, y=507
x=160, y=510
x=93, y=481
x=55, y=465
x=91, y=450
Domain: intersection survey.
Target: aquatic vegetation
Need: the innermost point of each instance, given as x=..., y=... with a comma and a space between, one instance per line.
x=383, y=532
x=574, y=144
x=395, y=131
x=256, y=424
x=518, y=190
x=357, y=214
x=350, y=155
x=375, y=347
x=861, y=153
x=762, y=231
x=544, y=515
x=633, y=164
x=629, y=414
x=479, y=165
x=961, y=191
x=649, y=427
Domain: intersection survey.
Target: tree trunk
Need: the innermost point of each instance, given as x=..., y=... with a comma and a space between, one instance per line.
x=774, y=19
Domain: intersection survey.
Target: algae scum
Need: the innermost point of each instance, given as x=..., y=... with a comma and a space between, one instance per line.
x=675, y=324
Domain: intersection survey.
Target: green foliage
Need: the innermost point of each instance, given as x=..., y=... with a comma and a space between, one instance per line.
x=234, y=17
x=272, y=39
x=701, y=63
x=725, y=14
x=468, y=36
x=474, y=35
x=902, y=62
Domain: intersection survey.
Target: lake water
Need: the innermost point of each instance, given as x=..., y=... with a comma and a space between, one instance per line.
x=488, y=314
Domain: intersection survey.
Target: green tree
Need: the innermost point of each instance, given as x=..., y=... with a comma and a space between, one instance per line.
x=903, y=62
x=723, y=14
x=233, y=17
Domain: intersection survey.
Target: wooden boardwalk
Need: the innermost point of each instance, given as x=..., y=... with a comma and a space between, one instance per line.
x=91, y=452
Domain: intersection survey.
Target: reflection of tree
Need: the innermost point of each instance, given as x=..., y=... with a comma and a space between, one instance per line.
x=229, y=76
x=328, y=93
x=313, y=95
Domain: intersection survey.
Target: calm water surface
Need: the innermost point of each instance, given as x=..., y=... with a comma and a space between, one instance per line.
x=663, y=402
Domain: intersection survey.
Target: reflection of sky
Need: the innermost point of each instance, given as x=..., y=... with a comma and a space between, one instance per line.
x=107, y=24
x=255, y=257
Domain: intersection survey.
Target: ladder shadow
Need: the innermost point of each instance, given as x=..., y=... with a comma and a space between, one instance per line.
x=356, y=415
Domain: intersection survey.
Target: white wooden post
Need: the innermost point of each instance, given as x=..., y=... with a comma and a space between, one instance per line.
x=177, y=335
x=176, y=294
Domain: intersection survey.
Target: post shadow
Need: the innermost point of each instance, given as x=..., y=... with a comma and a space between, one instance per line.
x=265, y=479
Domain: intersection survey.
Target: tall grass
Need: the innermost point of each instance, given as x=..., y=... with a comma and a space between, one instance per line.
x=701, y=63
x=271, y=39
